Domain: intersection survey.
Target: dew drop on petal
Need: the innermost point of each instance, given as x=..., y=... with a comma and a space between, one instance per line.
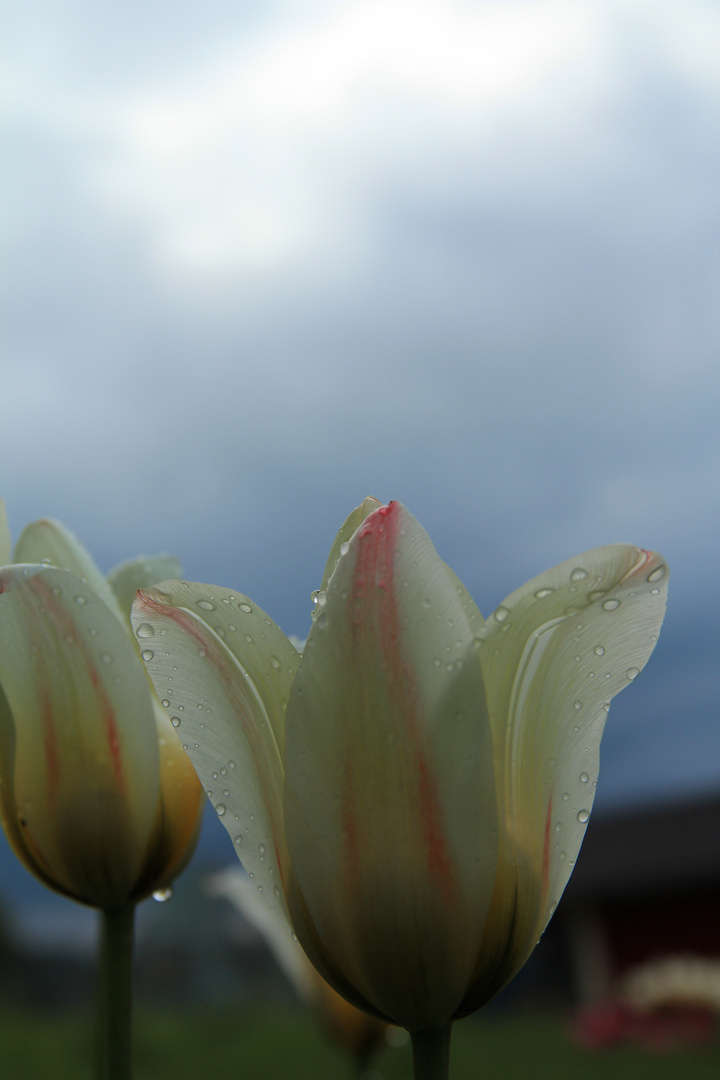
x=501, y=613
x=238, y=840
x=106, y=658
x=205, y=605
x=147, y=654
x=611, y=605
x=220, y=809
x=578, y=574
x=632, y=672
x=248, y=639
x=165, y=703
x=145, y=630
x=344, y=548
x=584, y=778
x=80, y=600
x=245, y=607
x=577, y=705
x=583, y=816
x=542, y=593
x=274, y=662
x=161, y=895
x=175, y=721
x=566, y=796
x=657, y=574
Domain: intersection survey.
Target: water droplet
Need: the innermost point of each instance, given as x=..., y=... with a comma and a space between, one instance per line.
x=427, y=602
x=238, y=840
x=563, y=856
x=542, y=593
x=147, y=654
x=632, y=672
x=145, y=630
x=106, y=658
x=276, y=892
x=584, y=778
x=566, y=796
x=501, y=613
x=202, y=653
x=220, y=809
x=657, y=574
x=611, y=605
x=583, y=816
x=578, y=574
x=248, y=639
x=654, y=592
x=161, y=895
x=231, y=764
x=205, y=605
x=175, y=721
x=449, y=666
x=57, y=591
x=344, y=548
x=274, y=662
x=80, y=600
x=599, y=650
x=578, y=657
x=214, y=775
x=245, y=607
x=321, y=620
x=261, y=849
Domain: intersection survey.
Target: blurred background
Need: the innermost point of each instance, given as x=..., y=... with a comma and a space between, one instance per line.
x=263, y=260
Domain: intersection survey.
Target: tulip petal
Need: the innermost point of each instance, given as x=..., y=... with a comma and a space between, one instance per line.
x=50, y=543
x=140, y=573
x=350, y=526
x=179, y=816
x=554, y=653
x=83, y=771
x=5, y=542
x=225, y=670
x=389, y=793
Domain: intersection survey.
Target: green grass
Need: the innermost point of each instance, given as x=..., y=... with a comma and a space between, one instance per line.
x=273, y=1046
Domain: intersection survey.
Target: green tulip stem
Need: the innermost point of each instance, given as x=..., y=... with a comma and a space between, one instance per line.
x=431, y=1053
x=114, y=1031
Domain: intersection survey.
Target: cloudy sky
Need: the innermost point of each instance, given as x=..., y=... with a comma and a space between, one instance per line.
x=266, y=259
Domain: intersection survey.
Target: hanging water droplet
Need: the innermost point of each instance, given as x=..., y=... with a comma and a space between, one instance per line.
x=145, y=630
x=175, y=721
x=501, y=613
x=578, y=574
x=220, y=809
x=147, y=654
x=542, y=593
x=632, y=672
x=657, y=574
x=611, y=605
x=205, y=605
x=162, y=895
x=599, y=650
x=583, y=816
x=584, y=778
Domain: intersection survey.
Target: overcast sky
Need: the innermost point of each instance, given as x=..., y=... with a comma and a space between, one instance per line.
x=267, y=259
